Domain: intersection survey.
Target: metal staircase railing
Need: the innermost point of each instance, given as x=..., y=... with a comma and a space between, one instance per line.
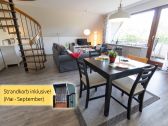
x=28, y=33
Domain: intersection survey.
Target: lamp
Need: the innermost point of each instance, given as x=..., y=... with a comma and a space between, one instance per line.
x=120, y=16
x=95, y=38
x=86, y=32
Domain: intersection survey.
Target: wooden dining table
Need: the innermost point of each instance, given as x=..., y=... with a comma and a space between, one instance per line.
x=111, y=72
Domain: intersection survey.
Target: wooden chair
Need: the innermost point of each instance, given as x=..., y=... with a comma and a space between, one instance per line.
x=94, y=54
x=140, y=59
x=135, y=87
x=88, y=82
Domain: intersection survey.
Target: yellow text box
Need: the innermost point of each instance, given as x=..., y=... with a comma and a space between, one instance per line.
x=26, y=95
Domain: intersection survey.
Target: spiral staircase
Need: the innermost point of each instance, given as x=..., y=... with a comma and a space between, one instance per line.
x=27, y=32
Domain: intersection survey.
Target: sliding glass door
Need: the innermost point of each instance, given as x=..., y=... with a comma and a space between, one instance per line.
x=160, y=44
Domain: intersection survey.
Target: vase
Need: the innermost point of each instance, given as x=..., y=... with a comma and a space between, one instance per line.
x=112, y=59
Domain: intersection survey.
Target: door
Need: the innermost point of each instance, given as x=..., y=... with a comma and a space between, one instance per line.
x=160, y=44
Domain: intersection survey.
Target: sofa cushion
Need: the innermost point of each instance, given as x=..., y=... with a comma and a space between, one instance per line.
x=55, y=45
x=63, y=52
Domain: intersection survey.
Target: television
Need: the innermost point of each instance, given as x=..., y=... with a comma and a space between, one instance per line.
x=82, y=42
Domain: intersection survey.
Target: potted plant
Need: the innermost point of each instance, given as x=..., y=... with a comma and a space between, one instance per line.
x=112, y=55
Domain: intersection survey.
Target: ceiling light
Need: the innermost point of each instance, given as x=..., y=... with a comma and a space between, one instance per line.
x=120, y=16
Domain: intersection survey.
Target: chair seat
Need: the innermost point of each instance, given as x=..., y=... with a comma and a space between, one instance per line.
x=95, y=79
x=126, y=84
x=133, y=77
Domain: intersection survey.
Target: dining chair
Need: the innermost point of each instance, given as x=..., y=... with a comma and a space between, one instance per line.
x=136, y=87
x=89, y=81
x=94, y=54
x=140, y=59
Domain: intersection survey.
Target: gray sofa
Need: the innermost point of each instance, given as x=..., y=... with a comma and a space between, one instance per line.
x=63, y=60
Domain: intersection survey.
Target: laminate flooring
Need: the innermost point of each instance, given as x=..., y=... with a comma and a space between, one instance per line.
x=153, y=115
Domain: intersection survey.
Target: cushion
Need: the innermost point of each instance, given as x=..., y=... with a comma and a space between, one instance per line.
x=94, y=79
x=61, y=50
x=98, y=47
x=55, y=45
x=75, y=55
x=126, y=84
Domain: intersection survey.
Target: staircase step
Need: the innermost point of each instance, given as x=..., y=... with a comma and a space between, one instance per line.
x=34, y=55
x=7, y=18
x=33, y=49
x=7, y=26
x=35, y=59
x=33, y=62
x=25, y=38
x=37, y=53
x=31, y=68
x=5, y=2
x=35, y=65
x=6, y=10
x=12, y=32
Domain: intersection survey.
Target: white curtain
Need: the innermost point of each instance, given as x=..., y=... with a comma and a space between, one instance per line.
x=165, y=64
x=105, y=29
x=111, y=30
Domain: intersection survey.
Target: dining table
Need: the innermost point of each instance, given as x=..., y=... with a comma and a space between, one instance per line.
x=111, y=71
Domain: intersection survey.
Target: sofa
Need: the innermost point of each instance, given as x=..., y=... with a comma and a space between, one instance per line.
x=63, y=60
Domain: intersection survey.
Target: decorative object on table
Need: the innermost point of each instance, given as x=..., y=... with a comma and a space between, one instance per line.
x=122, y=65
x=102, y=58
x=112, y=55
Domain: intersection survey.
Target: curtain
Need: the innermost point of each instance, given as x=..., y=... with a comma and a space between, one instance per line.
x=165, y=64
x=105, y=28
x=110, y=30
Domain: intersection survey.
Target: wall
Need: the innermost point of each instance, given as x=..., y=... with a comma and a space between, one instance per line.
x=48, y=42
x=3, y=35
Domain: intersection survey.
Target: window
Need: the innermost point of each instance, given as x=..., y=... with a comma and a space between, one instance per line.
x=160, y=47
x=134, y=31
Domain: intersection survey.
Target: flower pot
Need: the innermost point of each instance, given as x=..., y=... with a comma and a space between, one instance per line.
x=112, y=59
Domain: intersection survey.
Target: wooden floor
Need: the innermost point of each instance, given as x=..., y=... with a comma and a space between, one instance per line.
x=153, y=115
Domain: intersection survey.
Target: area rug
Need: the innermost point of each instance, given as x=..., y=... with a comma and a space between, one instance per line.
x=94, y=114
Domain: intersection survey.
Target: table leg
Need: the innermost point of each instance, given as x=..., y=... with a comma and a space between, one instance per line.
x=107, y=96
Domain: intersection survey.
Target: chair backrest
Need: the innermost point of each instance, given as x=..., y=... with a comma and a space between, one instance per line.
x=94, y=53
x=140, y=59
x=82, y=70
x=144, y=77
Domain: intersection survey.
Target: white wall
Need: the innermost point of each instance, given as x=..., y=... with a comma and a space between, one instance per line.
x=48, y=42
x=3, y=35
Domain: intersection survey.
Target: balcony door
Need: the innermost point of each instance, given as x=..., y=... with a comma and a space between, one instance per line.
x=160, y=44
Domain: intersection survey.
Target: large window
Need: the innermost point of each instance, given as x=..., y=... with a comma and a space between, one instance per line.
x=134, y=31
x=160, y=46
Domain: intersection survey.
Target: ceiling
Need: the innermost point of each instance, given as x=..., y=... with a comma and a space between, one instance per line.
x=93, y=6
